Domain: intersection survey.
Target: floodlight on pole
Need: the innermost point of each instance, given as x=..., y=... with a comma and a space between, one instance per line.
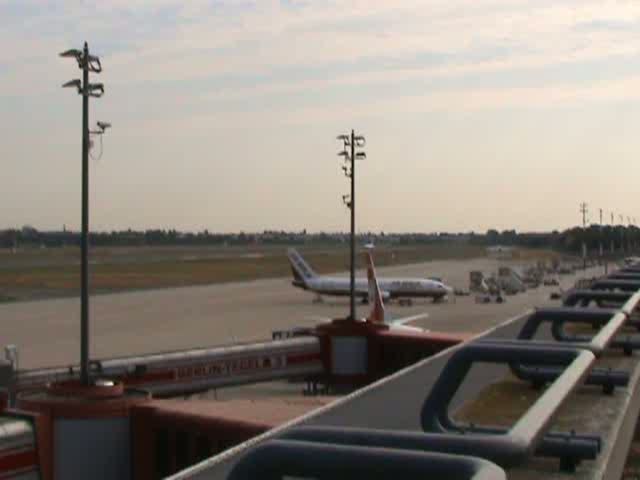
x=95, y=89
x=350, y=156
x=94, y=64
x=71, y=53
x=87, y=63
x=74, y=83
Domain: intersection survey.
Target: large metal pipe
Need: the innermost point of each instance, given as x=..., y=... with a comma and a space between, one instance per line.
x=602, y=298
x=622, y=285
x=528, y=433
x=277, y=459
x=609, y=321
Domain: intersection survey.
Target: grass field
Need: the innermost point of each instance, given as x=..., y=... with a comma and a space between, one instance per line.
x=33, y=274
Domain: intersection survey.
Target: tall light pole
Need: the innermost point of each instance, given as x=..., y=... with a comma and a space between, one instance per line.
x=622, y=233
x=349, y=154
x=584, y=210
x=602, y=260
x=613, y=243
x=87, y=63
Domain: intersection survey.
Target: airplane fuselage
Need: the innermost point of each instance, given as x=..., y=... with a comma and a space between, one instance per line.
x=391, y=287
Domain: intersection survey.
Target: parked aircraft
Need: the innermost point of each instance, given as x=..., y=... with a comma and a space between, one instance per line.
x=378, y=314
x=305, y=278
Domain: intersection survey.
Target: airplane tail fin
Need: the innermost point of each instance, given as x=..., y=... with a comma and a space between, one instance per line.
x=377, y=314
x=302, y=272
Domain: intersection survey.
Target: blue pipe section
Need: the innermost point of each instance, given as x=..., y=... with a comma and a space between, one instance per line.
x=276, y=459
x=622, y=285
x=558, y=317
x=601, y=298
x=524, y=439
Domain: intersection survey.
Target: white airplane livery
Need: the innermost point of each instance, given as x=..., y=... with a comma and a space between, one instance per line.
x=378, y=314
x=305, y=278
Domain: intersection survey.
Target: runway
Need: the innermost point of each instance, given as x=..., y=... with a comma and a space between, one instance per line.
x=47, y=332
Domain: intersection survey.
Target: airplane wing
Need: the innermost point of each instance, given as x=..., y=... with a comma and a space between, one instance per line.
x=318, y=318
x=403, y=320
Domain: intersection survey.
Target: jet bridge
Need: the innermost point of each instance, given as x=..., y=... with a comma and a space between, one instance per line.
x=183, y=371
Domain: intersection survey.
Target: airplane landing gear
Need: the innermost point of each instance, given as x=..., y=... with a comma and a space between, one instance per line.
x=405, y=302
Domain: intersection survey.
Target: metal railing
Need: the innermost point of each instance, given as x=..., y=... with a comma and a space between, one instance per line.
x=613, y=284
x=567, y=363
x=277, y=459
x=599, y=298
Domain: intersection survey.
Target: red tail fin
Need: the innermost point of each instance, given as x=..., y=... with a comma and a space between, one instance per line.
x=375, y=296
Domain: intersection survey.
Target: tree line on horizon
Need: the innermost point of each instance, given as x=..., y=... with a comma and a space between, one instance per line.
x=570, y=240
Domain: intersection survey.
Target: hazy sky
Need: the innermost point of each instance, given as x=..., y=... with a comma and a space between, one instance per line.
x=477, y=113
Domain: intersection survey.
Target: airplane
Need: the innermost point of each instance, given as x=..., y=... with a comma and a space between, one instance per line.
x=305, y=278
x=378, y=314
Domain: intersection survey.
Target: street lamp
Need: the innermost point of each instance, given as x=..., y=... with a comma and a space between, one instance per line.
x=613, y=231
x=87, y=63
x=350, y=155
x=600, y=237
x=622, y=249
x=584, y=210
